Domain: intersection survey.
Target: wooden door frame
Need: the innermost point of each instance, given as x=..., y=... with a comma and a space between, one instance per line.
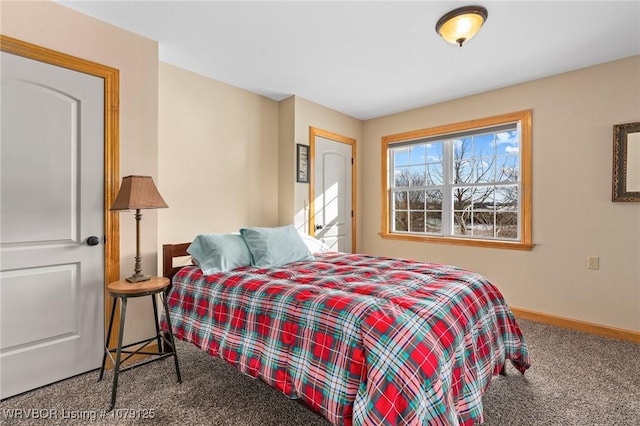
x=313, y=133
x=111, y=78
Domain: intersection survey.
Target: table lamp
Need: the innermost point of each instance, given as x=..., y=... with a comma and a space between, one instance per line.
x=138, y=192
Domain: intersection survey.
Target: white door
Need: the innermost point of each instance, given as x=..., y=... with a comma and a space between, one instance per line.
x=333, y=193
x=51, y=202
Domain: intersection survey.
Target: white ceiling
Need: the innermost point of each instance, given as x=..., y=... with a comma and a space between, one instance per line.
x=368, y=59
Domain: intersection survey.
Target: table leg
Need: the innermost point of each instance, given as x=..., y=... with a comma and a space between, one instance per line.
x=155, y=318
x=123, y=309
x=106, y=344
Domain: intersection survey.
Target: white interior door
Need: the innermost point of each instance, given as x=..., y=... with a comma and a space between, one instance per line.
x=51, y=202
x=333, y=194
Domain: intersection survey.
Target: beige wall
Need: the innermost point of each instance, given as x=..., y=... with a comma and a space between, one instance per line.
x=286, y=161
x=310, y=114
x=227, y=156
x=56, y=27
x=218, y=156
x=573, y=216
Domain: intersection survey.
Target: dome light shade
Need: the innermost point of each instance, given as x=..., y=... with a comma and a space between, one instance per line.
x=462, y=24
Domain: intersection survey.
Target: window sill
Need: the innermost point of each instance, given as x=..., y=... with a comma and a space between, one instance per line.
x=508, y=245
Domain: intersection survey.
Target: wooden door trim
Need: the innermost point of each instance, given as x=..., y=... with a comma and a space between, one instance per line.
x=313, y=132
x=111, y=78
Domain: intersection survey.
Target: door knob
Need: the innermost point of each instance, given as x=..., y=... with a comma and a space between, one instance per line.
x=93, y=240
x=318, y=227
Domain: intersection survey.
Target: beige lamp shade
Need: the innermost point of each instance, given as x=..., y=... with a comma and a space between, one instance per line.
x=461, y=24
x=138, y=192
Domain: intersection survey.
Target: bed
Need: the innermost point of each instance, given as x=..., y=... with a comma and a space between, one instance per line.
x=363, y=340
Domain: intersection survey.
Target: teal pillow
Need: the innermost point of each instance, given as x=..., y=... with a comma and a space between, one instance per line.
x=273, y=247
x=219, y=252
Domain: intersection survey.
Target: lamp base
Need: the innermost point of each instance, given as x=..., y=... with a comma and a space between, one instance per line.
x=138, y=278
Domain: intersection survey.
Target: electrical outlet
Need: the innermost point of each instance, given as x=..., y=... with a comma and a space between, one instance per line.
x=593, y=262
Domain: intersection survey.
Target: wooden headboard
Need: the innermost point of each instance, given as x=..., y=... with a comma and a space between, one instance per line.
x=170, y=252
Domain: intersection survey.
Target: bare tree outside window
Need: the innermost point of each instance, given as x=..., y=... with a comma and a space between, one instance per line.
x=482, y=183
x=417, y=197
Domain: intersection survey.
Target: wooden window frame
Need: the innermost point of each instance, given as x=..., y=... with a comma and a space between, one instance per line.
x=524, y=118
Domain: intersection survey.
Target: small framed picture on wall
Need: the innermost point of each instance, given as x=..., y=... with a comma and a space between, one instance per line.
x=302, y=162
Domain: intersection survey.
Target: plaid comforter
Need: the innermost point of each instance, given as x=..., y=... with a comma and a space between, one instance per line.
x=364, y=340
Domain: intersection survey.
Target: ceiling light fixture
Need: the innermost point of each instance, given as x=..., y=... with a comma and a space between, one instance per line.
x=461, y=24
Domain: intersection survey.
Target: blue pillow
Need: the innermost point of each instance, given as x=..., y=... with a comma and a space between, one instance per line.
x=273, y=247
x=219, y=252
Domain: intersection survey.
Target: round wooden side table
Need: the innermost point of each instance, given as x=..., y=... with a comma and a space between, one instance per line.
x=123, y=290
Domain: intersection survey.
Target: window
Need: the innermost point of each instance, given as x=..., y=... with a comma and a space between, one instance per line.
x=467, y=183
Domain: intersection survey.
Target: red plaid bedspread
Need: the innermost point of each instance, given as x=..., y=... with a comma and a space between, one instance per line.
x=364, y=340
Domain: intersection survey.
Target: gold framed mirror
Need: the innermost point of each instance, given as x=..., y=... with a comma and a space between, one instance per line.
x=626, y=162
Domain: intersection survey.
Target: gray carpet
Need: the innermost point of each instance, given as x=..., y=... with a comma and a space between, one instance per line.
x=575, y=379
